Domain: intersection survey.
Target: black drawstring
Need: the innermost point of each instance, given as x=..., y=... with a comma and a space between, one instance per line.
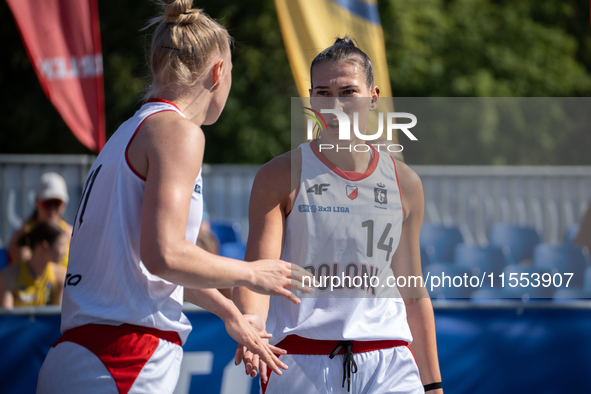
x=348, y=361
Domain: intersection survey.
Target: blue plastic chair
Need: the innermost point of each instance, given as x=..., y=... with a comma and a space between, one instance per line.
x=520, y=240
x=443, y=239
x=3, y=257
x=572, y=232
x=563, y=259
x=226, y=231
x=479, y=259
x=233, y=250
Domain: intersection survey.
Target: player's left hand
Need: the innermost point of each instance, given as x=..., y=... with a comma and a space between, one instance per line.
x=253, y=362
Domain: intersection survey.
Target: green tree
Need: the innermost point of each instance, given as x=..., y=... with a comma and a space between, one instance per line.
x=485, y=48
x=445, y=48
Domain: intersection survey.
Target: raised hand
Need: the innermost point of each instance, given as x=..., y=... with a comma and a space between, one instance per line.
x=275, y=277
x=254, y=341
x=253, y=362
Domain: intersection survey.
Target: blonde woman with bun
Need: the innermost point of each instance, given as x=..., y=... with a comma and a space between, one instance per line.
x=133, y=258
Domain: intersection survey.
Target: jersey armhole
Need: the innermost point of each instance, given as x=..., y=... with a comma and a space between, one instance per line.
x=295, y=196
x=399, y=189
x=292, y=203
x=131, y=139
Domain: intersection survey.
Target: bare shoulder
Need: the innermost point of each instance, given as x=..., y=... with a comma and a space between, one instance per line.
x=277, y=180
x=168, y=131
x=166, y=138
x=411, y=187
x=407, y=177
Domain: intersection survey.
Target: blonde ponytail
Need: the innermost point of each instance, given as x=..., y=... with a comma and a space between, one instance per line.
x=182, y=45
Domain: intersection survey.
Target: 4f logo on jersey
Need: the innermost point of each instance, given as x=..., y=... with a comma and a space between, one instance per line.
x=197, y=189
x=352, y=192
x=318, y=188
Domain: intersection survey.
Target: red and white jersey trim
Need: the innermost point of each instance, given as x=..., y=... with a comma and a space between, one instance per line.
x=343, y=224
x=113, y=286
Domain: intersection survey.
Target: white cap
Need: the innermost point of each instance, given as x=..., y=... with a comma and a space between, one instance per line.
x=52, y=186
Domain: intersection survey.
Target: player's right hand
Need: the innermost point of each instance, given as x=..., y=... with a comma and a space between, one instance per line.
x=252, y=338
x=252, y=362
x=275, y=277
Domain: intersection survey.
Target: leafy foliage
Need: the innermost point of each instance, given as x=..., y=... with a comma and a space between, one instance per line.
x=446, y=48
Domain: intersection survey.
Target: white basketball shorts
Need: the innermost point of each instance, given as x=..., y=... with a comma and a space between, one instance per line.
x=381, y=367
x=125, y=359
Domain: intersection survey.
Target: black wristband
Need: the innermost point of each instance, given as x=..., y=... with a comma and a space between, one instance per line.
x=433, y=386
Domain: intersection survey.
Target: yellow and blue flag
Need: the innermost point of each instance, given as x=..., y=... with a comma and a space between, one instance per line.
x=310, y=26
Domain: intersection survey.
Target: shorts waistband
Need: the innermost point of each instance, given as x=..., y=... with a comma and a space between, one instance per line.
x=295, y=344
x=108, y=333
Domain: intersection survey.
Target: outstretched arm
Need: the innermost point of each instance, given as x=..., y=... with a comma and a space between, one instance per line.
x=407, y=262
x=168, y=152
x=269, y=200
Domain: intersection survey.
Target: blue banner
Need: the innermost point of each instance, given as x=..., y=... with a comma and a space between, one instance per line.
x=512, y=350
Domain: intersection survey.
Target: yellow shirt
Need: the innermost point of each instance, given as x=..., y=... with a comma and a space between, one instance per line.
x=35, y=292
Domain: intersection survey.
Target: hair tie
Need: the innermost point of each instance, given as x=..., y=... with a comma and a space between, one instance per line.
x=188, y=12
x=165, y=47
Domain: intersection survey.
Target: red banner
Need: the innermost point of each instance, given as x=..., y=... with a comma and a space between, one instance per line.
x=62, y=38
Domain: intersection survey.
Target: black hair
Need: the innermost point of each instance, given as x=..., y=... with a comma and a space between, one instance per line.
x=345, y=49
x=44, y=231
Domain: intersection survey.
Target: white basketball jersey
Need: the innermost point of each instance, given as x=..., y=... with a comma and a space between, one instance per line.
x=343, y=224
x=107, y=283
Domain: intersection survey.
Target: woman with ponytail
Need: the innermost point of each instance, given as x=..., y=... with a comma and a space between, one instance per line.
x=38, y=281
x=133, y=250
x=352, y=216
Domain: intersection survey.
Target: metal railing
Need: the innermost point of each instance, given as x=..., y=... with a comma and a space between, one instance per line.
x=551, y=198
x=19, y=175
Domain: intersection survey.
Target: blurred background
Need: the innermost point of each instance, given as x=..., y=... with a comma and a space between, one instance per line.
x=505, y=194
x=445, y=48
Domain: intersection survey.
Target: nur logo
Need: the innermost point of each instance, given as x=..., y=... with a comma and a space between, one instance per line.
x=345, y=128
x=345, y=124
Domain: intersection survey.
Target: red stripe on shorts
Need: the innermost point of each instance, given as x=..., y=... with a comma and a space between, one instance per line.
x=295, y=344
x=124, y=349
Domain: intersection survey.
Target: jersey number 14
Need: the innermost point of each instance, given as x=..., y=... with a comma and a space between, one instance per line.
x=382, y=245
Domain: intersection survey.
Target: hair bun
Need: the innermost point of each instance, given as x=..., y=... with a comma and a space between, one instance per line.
x=347, y=40
x=179, y=11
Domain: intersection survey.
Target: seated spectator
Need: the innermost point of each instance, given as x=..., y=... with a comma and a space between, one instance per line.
x=38, y=281
x=51, y=198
